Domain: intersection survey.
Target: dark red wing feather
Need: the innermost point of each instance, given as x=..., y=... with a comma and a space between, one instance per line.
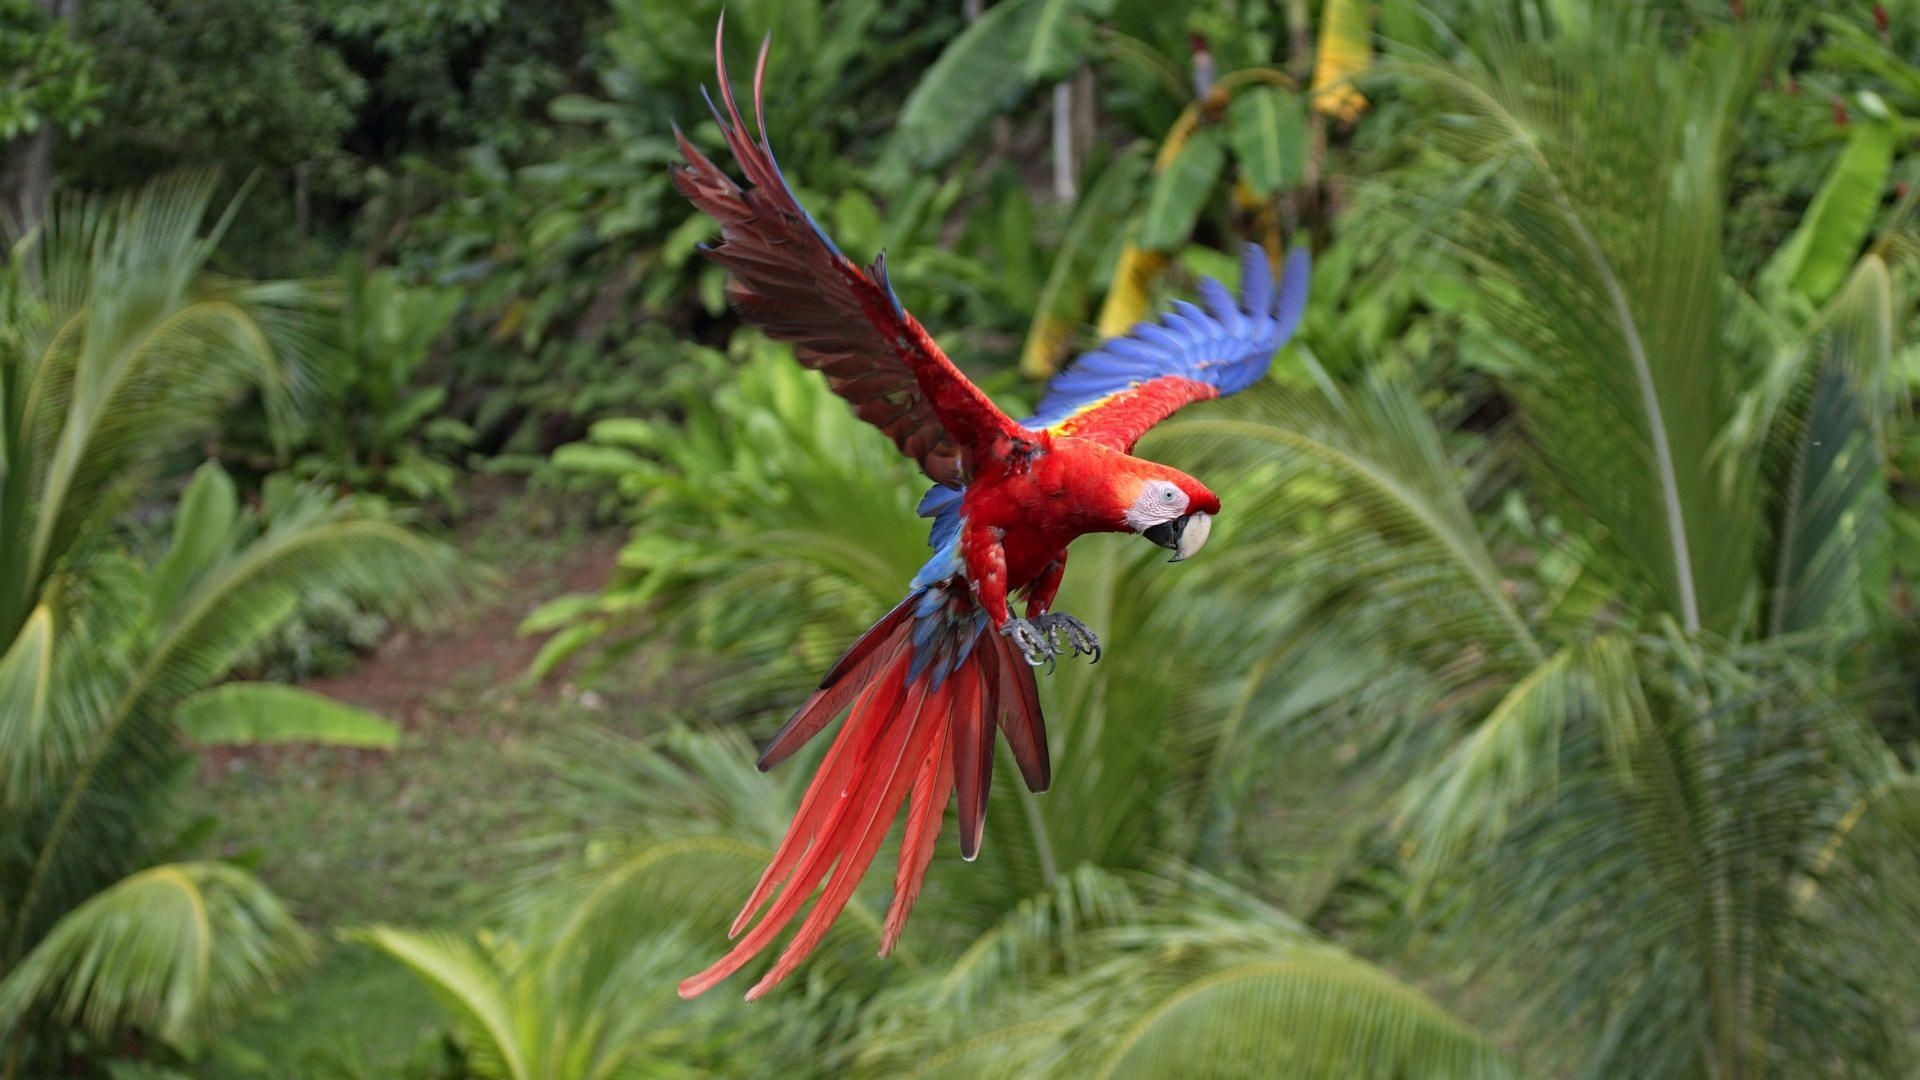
x=787, y=277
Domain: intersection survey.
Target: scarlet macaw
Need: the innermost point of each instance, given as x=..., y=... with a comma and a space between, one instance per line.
x=927, y=682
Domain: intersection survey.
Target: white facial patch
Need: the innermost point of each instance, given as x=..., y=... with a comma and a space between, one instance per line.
x=1159, y=502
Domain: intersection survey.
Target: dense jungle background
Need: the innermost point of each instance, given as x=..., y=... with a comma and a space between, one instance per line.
x=402, y=548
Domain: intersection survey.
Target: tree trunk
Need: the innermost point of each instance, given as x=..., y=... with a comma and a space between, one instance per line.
x=26, y=163
x=1063, y=167
x=26, y=179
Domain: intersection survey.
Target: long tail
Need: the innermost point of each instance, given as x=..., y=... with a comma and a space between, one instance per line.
x=926, y=685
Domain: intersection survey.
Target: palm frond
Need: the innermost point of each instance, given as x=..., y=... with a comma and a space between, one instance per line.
x=178, y=950
x=1353, y=492
x=1825, y=429
x=1327, y=1015
x=464, y=977
x=27, y=693
x=127, y=344
x=1209, y=982
x=309, y=543
x=1512, y=757
x=1701, y=815
x=1595, y=214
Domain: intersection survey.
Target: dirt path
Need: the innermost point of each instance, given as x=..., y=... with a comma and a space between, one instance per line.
x=480, y=648
x=396, y=835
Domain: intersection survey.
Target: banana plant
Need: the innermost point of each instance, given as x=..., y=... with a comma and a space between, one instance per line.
x=1251, y=132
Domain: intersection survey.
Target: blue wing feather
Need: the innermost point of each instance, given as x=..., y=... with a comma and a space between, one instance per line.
x=1256, y=279
x=1227, y=344
x=1292, y=304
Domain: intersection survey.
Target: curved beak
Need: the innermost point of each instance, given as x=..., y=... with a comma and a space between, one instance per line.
x=1184, y=536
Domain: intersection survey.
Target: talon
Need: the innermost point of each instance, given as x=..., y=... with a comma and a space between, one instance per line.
x=1077, y=636
x=1033, y=645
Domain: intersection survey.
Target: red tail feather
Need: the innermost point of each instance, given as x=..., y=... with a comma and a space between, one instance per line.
x=899, y=736
x=931, y=790
x=972, y=758
x=1018, y=699
x=842, y=681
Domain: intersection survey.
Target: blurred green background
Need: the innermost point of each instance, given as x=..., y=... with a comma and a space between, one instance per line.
x=402, y=547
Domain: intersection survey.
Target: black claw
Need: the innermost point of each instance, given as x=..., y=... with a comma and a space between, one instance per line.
x=1032, y=643
x=1066, y=632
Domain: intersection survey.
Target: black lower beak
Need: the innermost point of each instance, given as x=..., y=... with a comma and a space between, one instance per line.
x=1184, y=535
x=1167, y=533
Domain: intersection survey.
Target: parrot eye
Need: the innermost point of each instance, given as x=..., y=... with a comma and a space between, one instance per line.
x=1157, y=501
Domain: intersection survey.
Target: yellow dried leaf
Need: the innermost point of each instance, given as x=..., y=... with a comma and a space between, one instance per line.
x=1345, y=50
x=1047, y=345
x=1132, y=290
x=510, y=320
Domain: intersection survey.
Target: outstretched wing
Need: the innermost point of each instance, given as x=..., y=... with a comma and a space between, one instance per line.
x=788, y=278
x=1114, y=394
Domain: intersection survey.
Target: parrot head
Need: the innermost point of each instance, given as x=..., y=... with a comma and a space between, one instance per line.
x=1169, y=508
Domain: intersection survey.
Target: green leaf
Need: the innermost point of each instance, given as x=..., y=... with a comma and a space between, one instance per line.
x=179, y=950
x=1324, y=1015
x=449, y=431
x=625, y=431
x=1181, y=192
x=557, y=649
x=201, y=529
x=465, y=979
x=1061, y=36
x=256, y=714
x=550, y=229
x=1817, y=257
x=26, y=710
x=976, y=77
x=1268, y=128
x=580, y=109
x=602, y=460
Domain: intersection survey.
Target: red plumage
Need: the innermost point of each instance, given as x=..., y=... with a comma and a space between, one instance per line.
x=1121, y=419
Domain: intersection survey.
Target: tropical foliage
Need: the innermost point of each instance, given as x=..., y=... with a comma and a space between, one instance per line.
x=117, y=345
x=1631, y=684
x=1544, y=706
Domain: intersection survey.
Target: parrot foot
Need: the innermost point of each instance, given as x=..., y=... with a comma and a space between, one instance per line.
x=1031, y=642
x=1072, y=631
x=1043, y=639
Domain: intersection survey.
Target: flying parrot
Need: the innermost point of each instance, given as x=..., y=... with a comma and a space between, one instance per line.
x=926, y=686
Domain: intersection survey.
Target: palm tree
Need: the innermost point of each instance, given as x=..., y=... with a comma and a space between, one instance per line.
x=116, y=344
x=1652, y=815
